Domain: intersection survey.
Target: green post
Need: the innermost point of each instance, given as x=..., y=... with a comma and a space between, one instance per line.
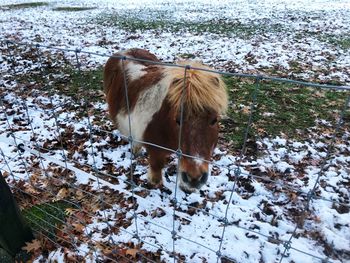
x=14, y=231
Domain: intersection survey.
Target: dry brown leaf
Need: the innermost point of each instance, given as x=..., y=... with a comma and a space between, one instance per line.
x=94, y=207
x=261, y=130
x=70, y=256
x=32, y=246
x=78, y=227
x=32, y=190
x=293, y=197
x=81, y=216
x=79, y=195
x=5, y=174
x=35, y=175
x=132, y=252
x=70, y=211
x=104, y=248
x=245, y=110
x=63, y=193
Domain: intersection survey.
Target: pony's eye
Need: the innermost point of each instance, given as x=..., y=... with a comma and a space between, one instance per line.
x=214, y=121
x=178, y=121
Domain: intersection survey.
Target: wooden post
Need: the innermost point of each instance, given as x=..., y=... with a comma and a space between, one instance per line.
x=14, y=231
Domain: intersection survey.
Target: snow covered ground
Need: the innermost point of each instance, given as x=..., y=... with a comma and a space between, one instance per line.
x=263, y=205
x=300, y=39
x=271, y=210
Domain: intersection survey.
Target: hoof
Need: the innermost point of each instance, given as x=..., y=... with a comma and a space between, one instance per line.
x=154, y=179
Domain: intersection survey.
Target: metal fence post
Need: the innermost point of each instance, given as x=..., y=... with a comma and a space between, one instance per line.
x=14, y=231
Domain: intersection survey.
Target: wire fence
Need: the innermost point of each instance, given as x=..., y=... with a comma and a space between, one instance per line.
x=81, y=240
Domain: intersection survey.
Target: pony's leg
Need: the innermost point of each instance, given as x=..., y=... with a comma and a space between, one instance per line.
x=157, y=161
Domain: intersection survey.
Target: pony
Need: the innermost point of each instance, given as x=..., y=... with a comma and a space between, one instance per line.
x=157, y=94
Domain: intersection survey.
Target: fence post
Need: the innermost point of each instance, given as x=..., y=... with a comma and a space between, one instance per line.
x=14, y=231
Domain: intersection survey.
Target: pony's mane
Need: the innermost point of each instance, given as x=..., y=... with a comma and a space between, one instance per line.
x=204, y=90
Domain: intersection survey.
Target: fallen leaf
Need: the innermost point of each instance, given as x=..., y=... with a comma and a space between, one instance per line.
x=78, y=227
x=132, y=252
x=63, y=193
x=32, y=246
x=70, y=211
x=293, y=197
x=5, y=174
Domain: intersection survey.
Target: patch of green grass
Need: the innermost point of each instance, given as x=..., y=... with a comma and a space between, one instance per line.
x=73, y=9
x=46, y=217
x=81, y=83
x=24, y=5
x=134, y=24
x=146, y=20
x=69, y=81
x=280, y=108
x=342, y=42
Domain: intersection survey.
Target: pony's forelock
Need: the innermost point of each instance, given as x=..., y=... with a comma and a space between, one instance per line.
x=204, y=90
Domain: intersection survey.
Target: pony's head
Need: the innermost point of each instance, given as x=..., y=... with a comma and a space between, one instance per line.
x=204, y=99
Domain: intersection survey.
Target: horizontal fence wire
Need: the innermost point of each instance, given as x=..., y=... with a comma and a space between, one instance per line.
x=32, y=146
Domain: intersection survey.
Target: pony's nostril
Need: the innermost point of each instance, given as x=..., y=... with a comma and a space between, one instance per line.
x=204, y=178
x=194, y=182
x=184, y=177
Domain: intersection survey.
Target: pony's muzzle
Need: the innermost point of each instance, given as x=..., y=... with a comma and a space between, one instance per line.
x=194, y=182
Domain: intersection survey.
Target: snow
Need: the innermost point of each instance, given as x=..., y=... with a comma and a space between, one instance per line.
x=300, y=19
x=260, y=204
x=242, y=210
x=204, y=229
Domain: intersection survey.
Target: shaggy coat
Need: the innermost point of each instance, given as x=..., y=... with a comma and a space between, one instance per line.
x=155, y=93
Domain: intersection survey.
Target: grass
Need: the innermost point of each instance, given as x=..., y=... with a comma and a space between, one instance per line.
x=76, y=83
x=25, y=5
x=68, y=80
x=146, y=20
x=281, y=109
x=337, y=41
x=44, y=218
x=343, y=43
x=73, y=9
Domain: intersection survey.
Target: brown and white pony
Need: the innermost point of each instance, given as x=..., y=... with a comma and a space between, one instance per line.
x=154, y=94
